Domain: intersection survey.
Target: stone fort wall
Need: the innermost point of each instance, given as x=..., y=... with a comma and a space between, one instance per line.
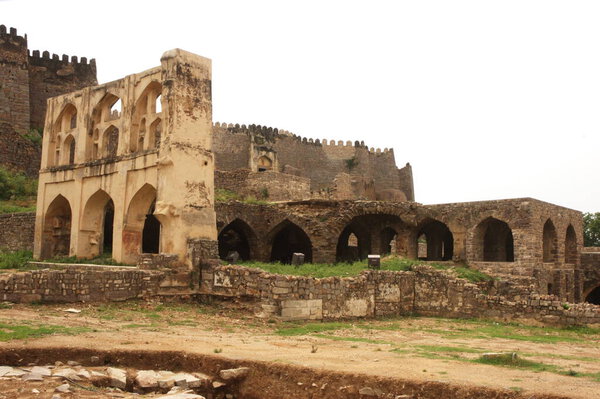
x=373, y=172
x=16, y=231
x=27, y=80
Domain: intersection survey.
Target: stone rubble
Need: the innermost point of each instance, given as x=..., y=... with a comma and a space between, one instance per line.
x=173, y=385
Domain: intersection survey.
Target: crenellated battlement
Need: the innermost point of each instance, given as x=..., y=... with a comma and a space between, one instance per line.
x=55, y=59
x=271, y=134
x=12, y=35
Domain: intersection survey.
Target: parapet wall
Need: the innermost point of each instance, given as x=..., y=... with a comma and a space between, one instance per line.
x=16, y=231
x=423, y=291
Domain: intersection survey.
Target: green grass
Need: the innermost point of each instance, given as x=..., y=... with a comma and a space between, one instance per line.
x=13, y=206
x=392, y=263
x=223, y=195
x=12, y=331
x=15, y=259
x=507, y=360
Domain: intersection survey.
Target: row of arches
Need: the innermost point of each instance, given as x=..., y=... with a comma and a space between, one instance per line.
x=103, y=138
x=141, y=228
x=492, y=240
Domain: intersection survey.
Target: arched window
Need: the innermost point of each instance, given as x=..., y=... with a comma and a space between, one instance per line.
x=68, y=151
x=493, y=241
x=571, y=246
x=550, y=250
x=146, y=119
x=110, y=142
x=109, y=109
x=154, y=134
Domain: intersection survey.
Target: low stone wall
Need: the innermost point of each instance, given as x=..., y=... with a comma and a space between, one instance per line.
x=77, y=285
x=424, y=290
x=16, y=231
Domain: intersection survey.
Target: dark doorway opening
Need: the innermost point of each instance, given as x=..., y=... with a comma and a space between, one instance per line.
x=288, y=240
x=151, y=232
x=107, y=233
x=594, y=296
x=235, y=238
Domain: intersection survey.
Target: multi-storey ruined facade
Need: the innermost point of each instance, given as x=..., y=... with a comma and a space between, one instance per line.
x=127, y=166
x=27, y=80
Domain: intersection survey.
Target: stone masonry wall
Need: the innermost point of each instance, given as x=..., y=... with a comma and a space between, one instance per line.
x=16, y=231
x=18, y=153
x=424, y=291
x=74, y=285
x=321, y=161
x=26, y=82
x=266, y=185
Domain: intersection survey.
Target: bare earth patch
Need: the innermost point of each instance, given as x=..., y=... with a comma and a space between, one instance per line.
x=559, y=362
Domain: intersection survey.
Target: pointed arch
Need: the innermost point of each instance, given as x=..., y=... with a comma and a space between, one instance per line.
x=493, y=241
x=237, y=236
x=286, y=239
x=142, y=228
x=264, y=163
x=96, y=231
x=549, y=242
x=439, y=241
x=110, y=142
x=144, y=118
x=593, y=296
x=154, y=134
x=67, y=119
x=68, y=150
x=56, y=232
x=570, y=245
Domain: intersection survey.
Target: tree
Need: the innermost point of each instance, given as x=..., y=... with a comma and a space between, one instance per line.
x=591, y=229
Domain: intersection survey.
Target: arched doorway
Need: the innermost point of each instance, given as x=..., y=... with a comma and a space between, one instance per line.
x=438, y=240
x=151, y=232
x=97, y=223
x=388, y=241
x=141, y=232
x=236, y=237
x=594, y=296
x=56, y=235
x=353, y=244
x=550, y=244
x=493, y=241
x=288, y=238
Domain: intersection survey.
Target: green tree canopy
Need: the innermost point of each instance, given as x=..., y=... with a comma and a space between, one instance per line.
x=591, y=229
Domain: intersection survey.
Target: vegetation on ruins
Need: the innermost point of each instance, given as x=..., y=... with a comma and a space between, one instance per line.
x=17, y=192
x=591, y=229
x=391, y=263
x=224, y=195
x=34, y=135
x=15, y=259
x=351, y=163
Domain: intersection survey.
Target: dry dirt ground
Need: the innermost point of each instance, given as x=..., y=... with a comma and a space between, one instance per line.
x=564, y=362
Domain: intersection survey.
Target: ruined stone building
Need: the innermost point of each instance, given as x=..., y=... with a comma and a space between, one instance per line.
x=27, y=80
x=130, y=168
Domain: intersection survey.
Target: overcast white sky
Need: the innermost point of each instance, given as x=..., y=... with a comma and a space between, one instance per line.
x=485, y=99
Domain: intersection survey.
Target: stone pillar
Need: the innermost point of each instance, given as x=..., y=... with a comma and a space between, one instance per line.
x=185, y=192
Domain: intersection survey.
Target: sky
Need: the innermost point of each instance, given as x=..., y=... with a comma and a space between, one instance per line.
x=485, y=99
